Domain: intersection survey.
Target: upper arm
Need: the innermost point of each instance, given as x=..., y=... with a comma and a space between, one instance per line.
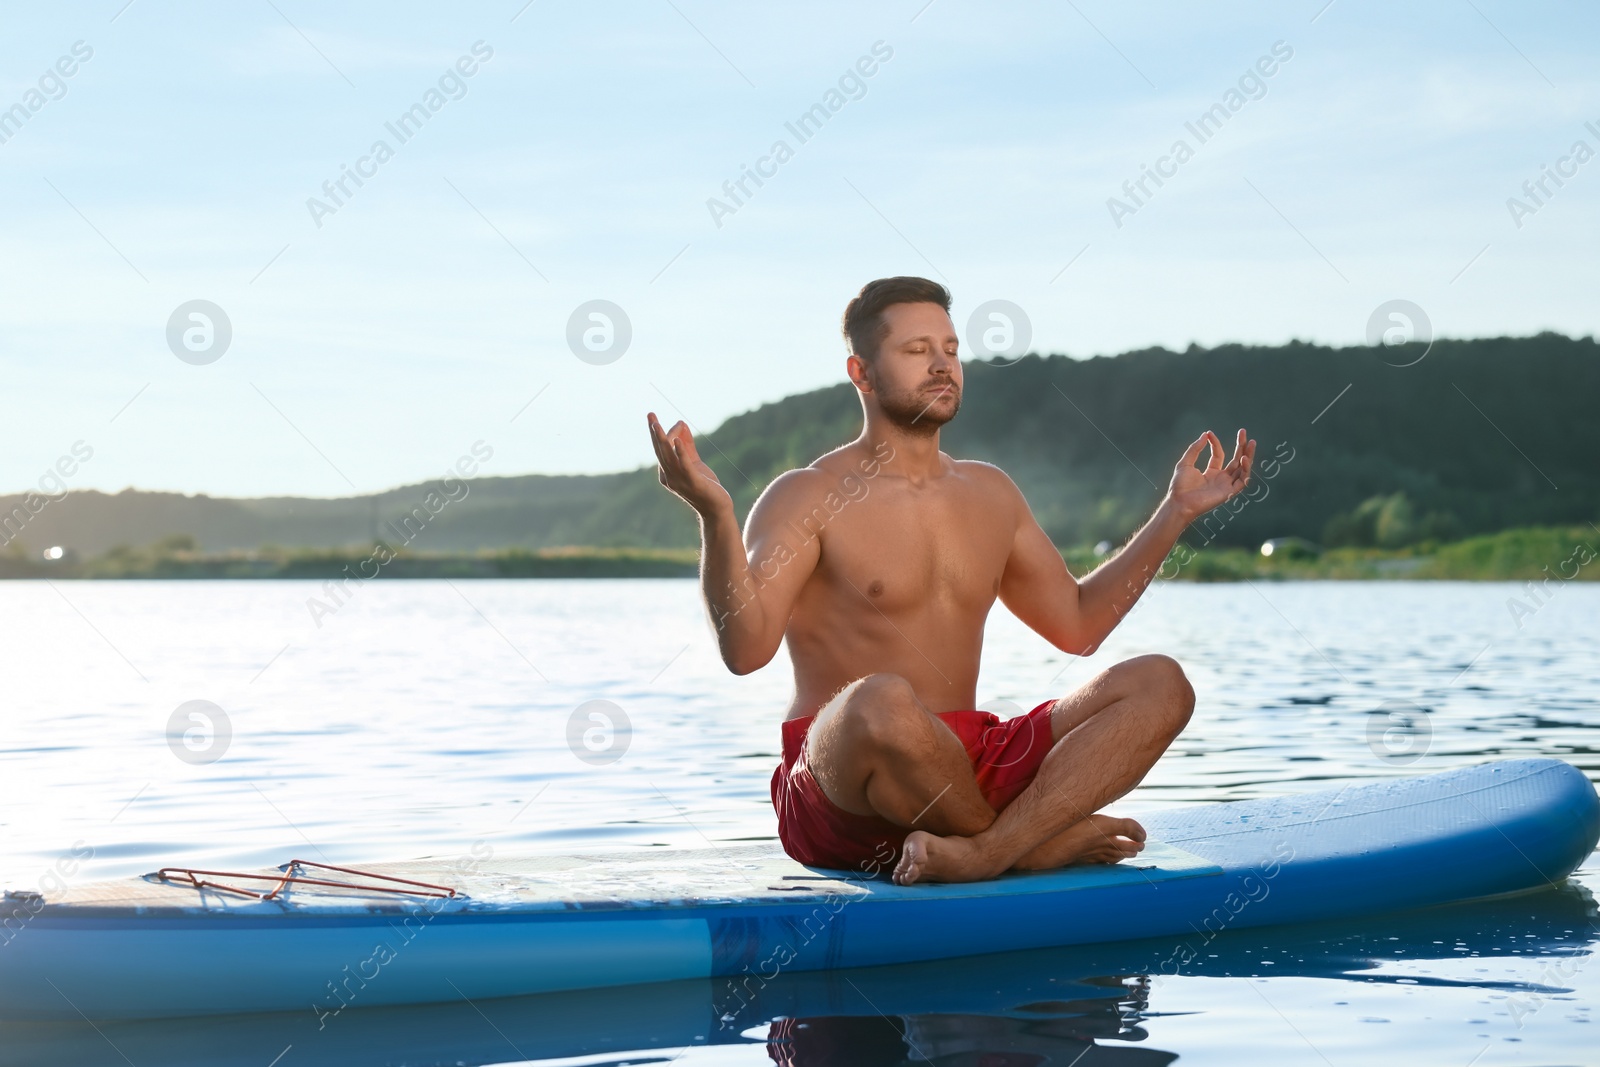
x=1036, y=585
x=780, y=552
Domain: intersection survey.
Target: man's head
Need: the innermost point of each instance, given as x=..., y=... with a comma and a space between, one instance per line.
x=903, y=352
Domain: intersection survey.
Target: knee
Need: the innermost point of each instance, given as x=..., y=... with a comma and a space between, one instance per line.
x=877, y=707
x=1163, y=677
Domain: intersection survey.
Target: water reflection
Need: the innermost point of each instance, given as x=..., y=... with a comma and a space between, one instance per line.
x=1098, y=1004
x=1065, y=1032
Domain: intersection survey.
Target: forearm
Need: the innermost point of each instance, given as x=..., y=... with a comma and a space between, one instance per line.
x=1108, y=593
x=729, y=588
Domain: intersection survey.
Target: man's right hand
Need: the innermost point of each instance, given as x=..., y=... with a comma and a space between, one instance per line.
x=681, y=469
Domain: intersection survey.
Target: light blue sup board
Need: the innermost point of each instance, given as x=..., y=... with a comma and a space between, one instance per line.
x=152, y=947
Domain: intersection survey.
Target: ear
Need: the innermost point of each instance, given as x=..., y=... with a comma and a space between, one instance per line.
x=856, y=368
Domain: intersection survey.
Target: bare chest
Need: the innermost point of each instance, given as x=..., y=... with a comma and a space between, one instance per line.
x=905, y=550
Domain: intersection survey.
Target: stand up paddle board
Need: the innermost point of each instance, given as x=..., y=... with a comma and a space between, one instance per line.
x=1047, y=1001
x=191, y=943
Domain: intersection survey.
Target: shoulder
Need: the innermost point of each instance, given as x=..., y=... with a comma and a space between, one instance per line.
x=843, y=468
x=793, y=486
x=995, y=488
x=988, y=478
x=843, y=473
x=800, y=490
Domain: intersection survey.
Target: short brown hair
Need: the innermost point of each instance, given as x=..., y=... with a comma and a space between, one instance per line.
x=864, y=324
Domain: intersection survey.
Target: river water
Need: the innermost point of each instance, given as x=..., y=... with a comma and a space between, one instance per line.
x=228, y=724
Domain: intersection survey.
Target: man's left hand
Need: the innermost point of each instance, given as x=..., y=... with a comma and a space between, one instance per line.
x=1196, y=491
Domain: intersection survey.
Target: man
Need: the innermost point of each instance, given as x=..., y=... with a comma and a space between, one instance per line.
x=878, y=564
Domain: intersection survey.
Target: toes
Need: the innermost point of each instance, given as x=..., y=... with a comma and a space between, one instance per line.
x=1124, y=848
x=910, y=865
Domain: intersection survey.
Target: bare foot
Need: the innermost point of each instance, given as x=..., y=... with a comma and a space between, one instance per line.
x=1097, y=839
x=928, y=857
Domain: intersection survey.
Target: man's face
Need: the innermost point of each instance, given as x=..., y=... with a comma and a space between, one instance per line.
x=917, y=375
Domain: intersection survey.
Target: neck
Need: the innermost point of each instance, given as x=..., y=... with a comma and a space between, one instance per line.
x=916, y=455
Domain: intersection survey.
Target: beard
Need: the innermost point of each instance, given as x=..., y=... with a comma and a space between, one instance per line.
x=920, y=413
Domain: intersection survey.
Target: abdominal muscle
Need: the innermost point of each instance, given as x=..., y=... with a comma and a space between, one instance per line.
x=937, y=649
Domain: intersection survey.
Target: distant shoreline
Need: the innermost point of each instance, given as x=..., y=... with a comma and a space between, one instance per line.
x=1540, y=554
x=157, y=562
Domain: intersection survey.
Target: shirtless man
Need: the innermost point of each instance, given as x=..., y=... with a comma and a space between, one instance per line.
x=878, y=564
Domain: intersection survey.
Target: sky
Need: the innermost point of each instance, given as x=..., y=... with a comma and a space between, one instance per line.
x=564, y=153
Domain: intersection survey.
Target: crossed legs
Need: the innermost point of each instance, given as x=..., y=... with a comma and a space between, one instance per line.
x=875, y=749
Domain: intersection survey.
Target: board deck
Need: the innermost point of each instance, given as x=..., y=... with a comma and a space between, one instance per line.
x=531, y=924
x=746, y=875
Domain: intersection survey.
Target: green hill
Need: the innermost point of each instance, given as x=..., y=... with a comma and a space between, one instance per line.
x=1479, y=436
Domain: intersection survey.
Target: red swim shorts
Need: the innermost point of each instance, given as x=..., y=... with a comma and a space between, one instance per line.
x=1005, y=755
